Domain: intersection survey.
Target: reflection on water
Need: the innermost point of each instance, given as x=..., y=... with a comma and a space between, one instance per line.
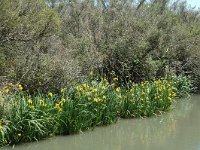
x=178, y=129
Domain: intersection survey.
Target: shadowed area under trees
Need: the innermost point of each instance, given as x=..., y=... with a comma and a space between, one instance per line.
x=51, y=43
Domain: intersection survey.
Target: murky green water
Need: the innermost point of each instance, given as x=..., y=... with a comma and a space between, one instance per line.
x=178, y=129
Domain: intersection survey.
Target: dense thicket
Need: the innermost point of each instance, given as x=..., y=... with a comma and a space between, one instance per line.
x=52, y=42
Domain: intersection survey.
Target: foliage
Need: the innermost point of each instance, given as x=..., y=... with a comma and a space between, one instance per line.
x=137, y=43
x=30, y=49
x=148, y=98
x=51, y=43
x=137, y=55
x=83, y=106
x=182, y=84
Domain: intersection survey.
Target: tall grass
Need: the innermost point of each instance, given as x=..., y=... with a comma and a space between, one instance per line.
x=82, y=106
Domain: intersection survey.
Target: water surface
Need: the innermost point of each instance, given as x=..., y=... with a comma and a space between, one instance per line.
x=178, y=129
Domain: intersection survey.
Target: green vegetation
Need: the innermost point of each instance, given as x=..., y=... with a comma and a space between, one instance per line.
x=50, y=43
x=26, y=117
x=140, y=55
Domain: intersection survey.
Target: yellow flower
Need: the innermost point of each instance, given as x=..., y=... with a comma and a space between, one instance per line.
x=10, y=84
x=20, y=87
x=50, y=94
x=81, y=89
x=87, y=93
x=61, y=90
x=29, y=101
x=105, y=82
x=148, y=90
x=173, y=94
x=84, y=85
x=57, y=106
x=63, y=100
x=32, y=107
x=96, y=100
x=43, y=103
x=104, y=97
x=6, y=91
x=118, y=89
x=77, y=88
x=19, y=134
x=94, y=90
x=113, y=85
x=170, y=99
x=103, y=87
x=115, y=79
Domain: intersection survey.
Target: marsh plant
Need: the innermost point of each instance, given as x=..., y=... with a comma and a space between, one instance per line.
x=84, y=105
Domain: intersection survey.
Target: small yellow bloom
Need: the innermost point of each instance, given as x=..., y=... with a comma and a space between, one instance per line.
x=43, y=103
x=50, y=94
x=77, y=88
x=104, y=97
x=61, y=90
x=113, y=85
x=170, y=99
x=10, y=84
x=118, y=89
x=103, y=87
x=57, y=106
x=19, y=134
x=29, y=101
x=32, y=107
x=87, y=93
x=6, y=91
x=94, y=90
x=62, y=102
x=84, y=85
x=96, y=100
x=115, y=79
x=20, y=87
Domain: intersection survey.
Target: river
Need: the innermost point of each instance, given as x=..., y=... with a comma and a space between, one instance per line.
x=178, y=129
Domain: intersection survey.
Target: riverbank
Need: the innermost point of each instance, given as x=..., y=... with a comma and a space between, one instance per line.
x=177, y=129
x=26, y=117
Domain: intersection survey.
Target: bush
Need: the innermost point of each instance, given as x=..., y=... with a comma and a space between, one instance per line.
x=58, y=42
